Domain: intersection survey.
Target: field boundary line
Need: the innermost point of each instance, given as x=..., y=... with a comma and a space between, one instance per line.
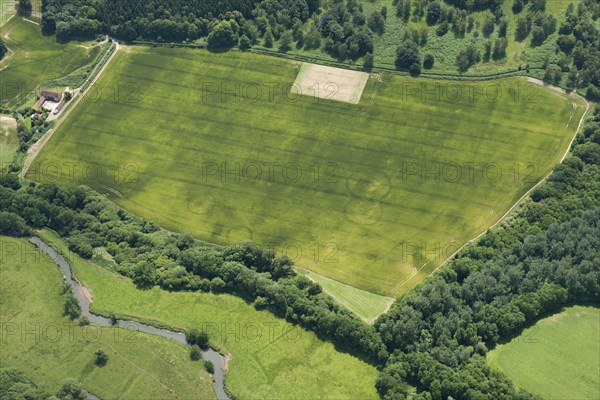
x=46, y=138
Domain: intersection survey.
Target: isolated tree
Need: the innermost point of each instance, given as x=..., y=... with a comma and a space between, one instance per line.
x=71, y=307
x=197, y=337
x=195, y=353
x=101, y=358
x=68, y=96
x=209, y=366
x=428, y=61
x=407, y=54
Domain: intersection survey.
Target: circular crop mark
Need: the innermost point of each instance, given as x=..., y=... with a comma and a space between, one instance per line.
x=201, y=204
x=364, y=212
x=238, y=233
x=369, y=184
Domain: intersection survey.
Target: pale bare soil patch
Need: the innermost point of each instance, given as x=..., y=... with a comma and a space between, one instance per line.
x=330, y=83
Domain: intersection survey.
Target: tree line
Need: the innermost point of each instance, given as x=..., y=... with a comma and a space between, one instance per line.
x=339, y=27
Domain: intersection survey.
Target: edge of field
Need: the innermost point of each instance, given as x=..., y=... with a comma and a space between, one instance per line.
x=576, y=97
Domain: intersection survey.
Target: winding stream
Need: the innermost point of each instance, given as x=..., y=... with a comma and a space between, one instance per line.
x=210, y=354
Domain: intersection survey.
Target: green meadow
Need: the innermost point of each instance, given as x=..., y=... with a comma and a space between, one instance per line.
x=374, y=195
x=556, y=358
x=38, y=340
x=270, y=358
x=366, y=305
x=7, y=10
x=36, y=59
x=9, y=142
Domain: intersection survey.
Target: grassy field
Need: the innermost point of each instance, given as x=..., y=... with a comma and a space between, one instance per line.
x=9, y=142
x=365, y=304
x=271, y=359
x=7, y=10
x=556, y=358
x=38, y=340
x=36, y=59
x=374, y=195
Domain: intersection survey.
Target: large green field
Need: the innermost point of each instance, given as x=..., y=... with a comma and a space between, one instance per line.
x=271, y=359
x=375, y=195
x=36, y=59
x=556, y=358
x=38, y=340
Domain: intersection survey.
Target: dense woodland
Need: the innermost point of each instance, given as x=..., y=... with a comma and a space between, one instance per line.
x=343, y=30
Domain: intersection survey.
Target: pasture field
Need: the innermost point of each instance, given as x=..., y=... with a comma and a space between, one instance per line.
x=9, y=142
x=7, y=10
x=271, y=359
x=556, y=358
x=366, y=305
x=375, y=195
x=38, y=340
x=36, y=59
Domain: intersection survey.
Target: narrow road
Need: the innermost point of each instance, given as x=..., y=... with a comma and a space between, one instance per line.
x=75, y=102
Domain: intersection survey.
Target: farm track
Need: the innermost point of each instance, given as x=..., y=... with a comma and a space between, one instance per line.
x=77, y=99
